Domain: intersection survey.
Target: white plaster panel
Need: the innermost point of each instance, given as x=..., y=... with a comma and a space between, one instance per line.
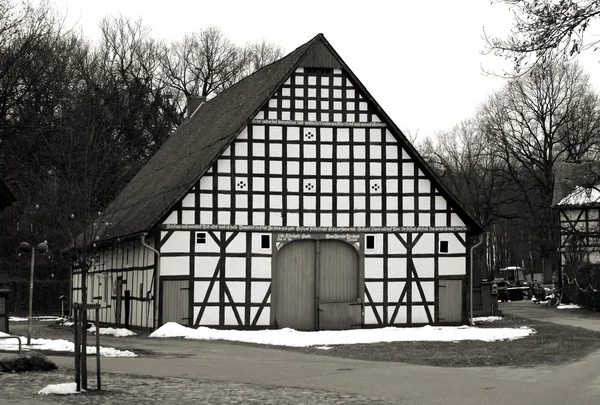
x=425, y=266
x=440, y=220
x=326, y=136
x=238, y=244
x=189, y=200
x=424, y=219
x=171, y=219
x=395, y=289
x=419, y=315
x=455, y=220
x=428, y=290
x=179, y=242
x=326, y=219
x=394, y=245
x=400, y=315
x=175, y=266
x=391, y=186
x=454, y=245
x=188, y=217
x=275, y=219
x=200, y=290
x=235, y=267
x=452, y=266
x=440, y=203
x=243, y=134
x=258, y=290
x=373, y=267
x=210, y=246
x=392, y=219
x=370, y=318
x=230, y=318
x=224, y=165
x=408, y=169
x=424, y=186
x=261, y=267
x=264, y=318
x=206, y=200
x=359, y=135
x=210, y=316
x=360, y=219
x=397, y=267
x=426, y=244
x=237, y=289
x=309, y=219
x=408, y=219
x=408, y=186
x=375, y=289
x=293, y=219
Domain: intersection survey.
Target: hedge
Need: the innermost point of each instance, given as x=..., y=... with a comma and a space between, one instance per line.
x=46, y=295
x=581, y=285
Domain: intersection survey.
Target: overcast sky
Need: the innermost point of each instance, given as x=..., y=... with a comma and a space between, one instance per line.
x=423, y=61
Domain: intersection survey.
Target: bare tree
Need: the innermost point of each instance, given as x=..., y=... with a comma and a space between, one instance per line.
x=544, y=29
x=530, y=125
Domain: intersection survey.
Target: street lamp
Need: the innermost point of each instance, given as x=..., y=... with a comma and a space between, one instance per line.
x=41, y=248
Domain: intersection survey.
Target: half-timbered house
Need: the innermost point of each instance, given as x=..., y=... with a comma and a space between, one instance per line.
x=291, y=199
x=577, y=201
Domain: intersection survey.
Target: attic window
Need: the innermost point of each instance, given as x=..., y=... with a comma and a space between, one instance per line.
x=370, y=242
x=443, y=246
x=201, y=238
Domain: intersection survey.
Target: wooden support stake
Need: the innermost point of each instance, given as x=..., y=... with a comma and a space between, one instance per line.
x=77, y=352
x=84, y=346
x=98, y=382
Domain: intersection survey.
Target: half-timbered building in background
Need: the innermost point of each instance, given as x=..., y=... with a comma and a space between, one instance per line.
x=289, y=200
x=577, y=200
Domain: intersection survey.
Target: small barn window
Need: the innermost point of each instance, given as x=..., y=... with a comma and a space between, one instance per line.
x=370, y=242
x=201, y=238
x=265, y=241
x=443, y=246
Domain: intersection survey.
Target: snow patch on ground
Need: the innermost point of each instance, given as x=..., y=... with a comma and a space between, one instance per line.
x=35, y=318
x=117, y=332
x=60, y=345
x=291, y=337
x=2, y=334
x=59, y=389
x=323, y=347
x=487, y=319
x=568, y=306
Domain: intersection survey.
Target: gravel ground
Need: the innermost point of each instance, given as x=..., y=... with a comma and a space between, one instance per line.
x=119, y=389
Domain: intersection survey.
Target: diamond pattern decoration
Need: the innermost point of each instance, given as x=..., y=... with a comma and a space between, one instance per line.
x=309, y=186
x=241, y=184
x=309, y=135
x=376, y=187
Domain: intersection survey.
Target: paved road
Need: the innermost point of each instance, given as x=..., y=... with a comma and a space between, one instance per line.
x=530, y=310
x=239, y=374
x=398, y=383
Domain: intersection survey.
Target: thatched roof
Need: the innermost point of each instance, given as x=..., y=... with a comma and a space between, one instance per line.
x=576, y=184
x=192, y=149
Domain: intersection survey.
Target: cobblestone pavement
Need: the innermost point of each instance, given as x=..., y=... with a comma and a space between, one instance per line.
x=21, y=389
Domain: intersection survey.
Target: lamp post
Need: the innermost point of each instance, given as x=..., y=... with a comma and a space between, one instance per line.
x=41, y=248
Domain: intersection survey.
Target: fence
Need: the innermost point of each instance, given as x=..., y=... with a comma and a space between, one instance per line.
x=587, y=297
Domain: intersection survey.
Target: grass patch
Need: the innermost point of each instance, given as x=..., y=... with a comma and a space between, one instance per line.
x=552, y=345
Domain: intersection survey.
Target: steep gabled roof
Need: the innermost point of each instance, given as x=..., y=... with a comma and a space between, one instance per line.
x=6, y=197
x=576, y=184
x=192, y=149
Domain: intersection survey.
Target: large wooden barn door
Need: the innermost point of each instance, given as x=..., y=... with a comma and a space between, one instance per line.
x=175, y=301
x=294, y=293
x=450, y=300
x=339, y=306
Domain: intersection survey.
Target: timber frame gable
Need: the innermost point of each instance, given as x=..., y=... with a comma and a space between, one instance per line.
x=294, y=167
